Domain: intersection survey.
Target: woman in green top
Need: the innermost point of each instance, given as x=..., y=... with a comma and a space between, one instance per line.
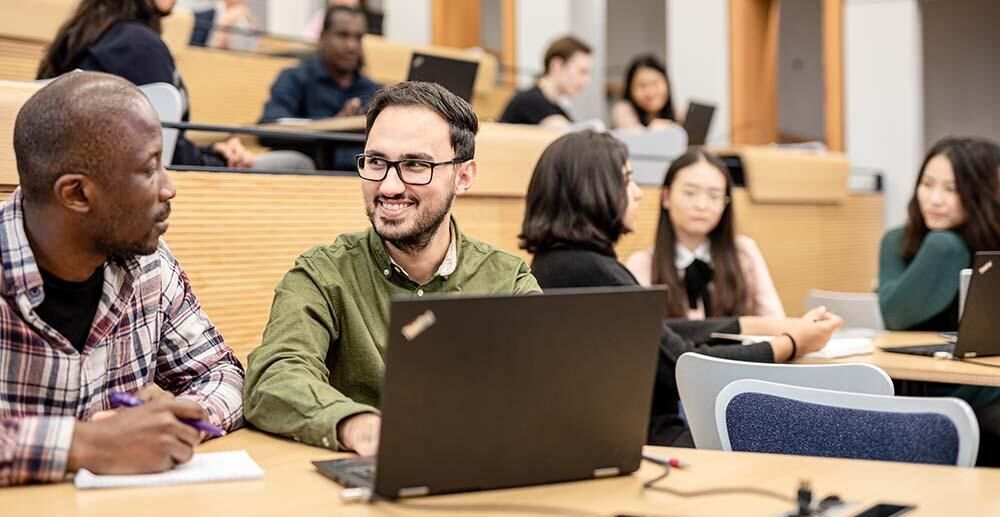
x=954, y=212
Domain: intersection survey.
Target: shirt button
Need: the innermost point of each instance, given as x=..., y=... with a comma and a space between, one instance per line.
x=420, y=292
x=386, y=272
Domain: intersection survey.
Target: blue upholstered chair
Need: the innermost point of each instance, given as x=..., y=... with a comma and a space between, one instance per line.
x=758, y=416
x=700, y=378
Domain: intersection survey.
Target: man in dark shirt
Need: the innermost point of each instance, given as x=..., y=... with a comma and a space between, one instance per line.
x=330, y=84
x=567, y=71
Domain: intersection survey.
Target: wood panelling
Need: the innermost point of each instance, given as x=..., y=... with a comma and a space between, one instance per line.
x=753, y=66
x=456, y=23
x=833, y=73
x=12, y=96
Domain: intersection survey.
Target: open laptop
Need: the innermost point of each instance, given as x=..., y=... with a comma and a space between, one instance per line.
x=490, y=392
x=457, y=75
x=978, y=328
x=697, y=121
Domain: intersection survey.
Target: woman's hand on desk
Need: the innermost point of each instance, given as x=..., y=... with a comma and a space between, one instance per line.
x=812, y=331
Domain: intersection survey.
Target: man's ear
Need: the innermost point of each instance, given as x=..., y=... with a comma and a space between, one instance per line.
x=74, y=192
x=465, y=176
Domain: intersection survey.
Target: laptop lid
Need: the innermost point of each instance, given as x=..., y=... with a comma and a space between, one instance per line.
x=979, y=327
x=457, y=75
x=490, y=392
x=697, y=121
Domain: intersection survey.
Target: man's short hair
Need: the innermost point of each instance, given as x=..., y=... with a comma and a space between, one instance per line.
x=333, y=10
x=455, y=110
x=71, y=126
x=564, y=48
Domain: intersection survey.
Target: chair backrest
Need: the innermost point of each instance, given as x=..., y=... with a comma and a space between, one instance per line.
x=700, y=378
x=859, y=310
x=169, y=106
x=758, y=416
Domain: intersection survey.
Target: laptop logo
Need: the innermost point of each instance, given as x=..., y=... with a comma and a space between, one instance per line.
x=985, y=267
x=419, y=325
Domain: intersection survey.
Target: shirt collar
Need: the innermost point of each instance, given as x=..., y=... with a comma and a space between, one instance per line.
x=385, y=263
x=323, y=74
x=683, y=257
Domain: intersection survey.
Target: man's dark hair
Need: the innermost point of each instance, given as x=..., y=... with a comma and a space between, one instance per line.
x=578, y=195
x=333, y=10
x=455, y=110
x=564, y=48
x=72, y=125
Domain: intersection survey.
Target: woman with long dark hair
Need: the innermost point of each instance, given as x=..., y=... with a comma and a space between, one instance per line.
x=954, y=212
x=122, y=37
x=580, y=201
x=647, y=101
x=709, y=270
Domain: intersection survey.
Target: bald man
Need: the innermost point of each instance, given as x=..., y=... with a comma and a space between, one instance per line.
x=92, y=302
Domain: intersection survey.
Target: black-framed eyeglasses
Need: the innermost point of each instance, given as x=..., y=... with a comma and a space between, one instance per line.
x=411, y=172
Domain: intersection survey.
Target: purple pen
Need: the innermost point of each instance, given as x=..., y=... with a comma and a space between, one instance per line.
x=119, y=399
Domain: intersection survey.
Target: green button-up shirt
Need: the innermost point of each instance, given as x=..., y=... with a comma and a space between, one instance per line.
x=322, y=355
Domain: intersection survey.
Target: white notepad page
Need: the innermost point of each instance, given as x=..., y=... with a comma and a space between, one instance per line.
x=203, y=468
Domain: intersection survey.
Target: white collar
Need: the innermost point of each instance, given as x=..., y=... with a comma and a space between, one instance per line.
x=683, y=257
x=448, y=265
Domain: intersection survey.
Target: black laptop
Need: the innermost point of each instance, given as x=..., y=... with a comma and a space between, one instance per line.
x=502, y=391
x=697, y=121
x=979, y=330
x=457, y=75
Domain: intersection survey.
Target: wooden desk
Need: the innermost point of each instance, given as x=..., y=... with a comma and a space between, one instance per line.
x=919, y=368
x=293, y=487
x=355, y=124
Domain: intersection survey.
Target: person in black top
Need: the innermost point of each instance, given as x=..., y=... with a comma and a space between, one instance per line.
x=122, y=37
x=567, y=71
x=581, y=199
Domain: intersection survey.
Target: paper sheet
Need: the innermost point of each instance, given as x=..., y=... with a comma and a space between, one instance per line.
x=203, y=468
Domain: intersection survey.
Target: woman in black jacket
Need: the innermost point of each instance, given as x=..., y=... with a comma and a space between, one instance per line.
x=580, y=201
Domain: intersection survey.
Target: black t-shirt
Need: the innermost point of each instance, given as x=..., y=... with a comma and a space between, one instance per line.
x=69, y=307
x=531, y=107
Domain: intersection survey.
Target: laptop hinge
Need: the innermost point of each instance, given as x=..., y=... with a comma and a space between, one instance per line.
x=414, y=491
x=969, y=355
x=606, y=472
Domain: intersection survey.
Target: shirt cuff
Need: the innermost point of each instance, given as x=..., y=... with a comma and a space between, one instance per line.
x=42, y=450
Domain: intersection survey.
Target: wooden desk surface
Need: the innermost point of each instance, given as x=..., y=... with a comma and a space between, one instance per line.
x=920, y=368
x=293, y=487
x=334, y=124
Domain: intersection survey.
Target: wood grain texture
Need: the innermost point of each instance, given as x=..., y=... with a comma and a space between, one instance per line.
x=292, y=486
x=456, y=23
x=919, y=368
x=753, y=67
x=776, y=175
x=833, y=73
x=12, y=96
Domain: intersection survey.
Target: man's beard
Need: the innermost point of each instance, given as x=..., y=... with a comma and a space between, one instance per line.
x=423, y=227
x=109, y=244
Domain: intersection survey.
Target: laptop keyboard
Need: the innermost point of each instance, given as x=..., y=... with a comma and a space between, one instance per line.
x=362, y=472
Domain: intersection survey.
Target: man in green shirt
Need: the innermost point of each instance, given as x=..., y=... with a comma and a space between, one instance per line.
x=317, y=376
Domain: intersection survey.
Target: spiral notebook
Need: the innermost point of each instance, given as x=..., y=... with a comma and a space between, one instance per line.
x=204, y=467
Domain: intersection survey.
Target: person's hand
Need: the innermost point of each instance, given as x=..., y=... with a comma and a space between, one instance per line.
x=235, y=14
x=140, y=440
x=360, y=433
x=234, y=153
x=351, y=108
x=147, y=393
x=813, y=330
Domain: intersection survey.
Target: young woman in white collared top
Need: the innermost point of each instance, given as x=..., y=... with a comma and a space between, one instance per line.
x=709, y=271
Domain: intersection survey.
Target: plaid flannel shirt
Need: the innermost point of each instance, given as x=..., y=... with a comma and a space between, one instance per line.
x=149, y=328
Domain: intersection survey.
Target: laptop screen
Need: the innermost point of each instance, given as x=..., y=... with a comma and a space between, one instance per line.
x=457, y=75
